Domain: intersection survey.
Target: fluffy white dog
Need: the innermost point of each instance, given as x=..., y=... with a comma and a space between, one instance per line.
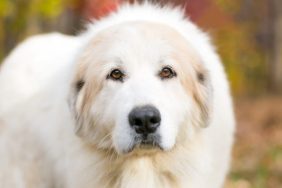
x=140, y=100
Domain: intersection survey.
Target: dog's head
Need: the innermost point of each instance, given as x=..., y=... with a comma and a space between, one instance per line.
x=137, y=86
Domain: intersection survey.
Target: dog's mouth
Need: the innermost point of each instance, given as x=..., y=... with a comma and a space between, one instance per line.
x=146, y=143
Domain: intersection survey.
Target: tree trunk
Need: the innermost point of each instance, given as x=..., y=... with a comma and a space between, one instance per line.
x=277, y=56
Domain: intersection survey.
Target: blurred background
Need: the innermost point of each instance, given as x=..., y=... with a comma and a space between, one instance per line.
x=248, y=36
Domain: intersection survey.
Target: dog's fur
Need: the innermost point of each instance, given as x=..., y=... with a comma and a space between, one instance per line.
x=63, y=123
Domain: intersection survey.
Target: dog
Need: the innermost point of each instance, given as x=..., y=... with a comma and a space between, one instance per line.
x=139, y=99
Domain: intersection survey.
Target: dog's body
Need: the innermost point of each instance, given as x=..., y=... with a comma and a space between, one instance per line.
x=166, y=64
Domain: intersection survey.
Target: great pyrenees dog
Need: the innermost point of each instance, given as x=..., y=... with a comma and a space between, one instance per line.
x=138, y=100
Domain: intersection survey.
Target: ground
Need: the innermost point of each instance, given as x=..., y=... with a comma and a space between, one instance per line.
x=257, y=155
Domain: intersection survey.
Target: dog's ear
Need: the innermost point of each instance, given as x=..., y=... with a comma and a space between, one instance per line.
x=78, y=99
x=74, y=101
x=196, y=80
x=202, y=94
x=81, y=99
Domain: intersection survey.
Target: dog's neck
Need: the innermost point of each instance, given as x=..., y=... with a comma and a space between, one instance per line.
x=159, y=169
x=138, y=171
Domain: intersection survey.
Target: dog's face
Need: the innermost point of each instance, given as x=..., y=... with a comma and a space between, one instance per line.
x=139, y=86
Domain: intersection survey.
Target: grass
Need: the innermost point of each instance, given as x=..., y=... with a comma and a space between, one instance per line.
x=257, y=156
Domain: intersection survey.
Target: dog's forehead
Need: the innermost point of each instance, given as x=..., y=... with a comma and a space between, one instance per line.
x=140, y=46
x=142, y=30
x=140, y=40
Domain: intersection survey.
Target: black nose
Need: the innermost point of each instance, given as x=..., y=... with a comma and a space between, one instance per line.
x=144, y=119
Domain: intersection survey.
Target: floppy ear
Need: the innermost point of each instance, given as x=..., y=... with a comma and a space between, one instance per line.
x=77, y=98
x=74, y=101
x=196, y=80
x=202, y=94
x=85, y=86
x=81, y=99
x=73, y=98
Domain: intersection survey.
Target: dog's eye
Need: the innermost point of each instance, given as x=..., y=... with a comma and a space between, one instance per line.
x=116, y=74
x=167, y=72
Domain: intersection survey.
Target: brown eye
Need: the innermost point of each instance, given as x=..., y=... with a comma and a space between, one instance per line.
x=116, y=74
x=166, y=73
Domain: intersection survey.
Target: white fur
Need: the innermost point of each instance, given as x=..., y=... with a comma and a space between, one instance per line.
x=38, y=144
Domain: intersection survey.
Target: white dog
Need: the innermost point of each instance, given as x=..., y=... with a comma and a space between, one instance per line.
x=140, y=100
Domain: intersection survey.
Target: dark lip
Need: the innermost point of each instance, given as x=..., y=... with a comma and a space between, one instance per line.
x=146, y=142
x=143, y=149
x=145, y=145
x=149, y=143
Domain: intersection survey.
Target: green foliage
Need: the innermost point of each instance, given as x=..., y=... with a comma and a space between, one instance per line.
x=244, y=58
x=45, y=8
x=22, y=18
x=264, y=174
x=6, y=8
x=244, y=61
x=230, y=6
x=50, y=8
